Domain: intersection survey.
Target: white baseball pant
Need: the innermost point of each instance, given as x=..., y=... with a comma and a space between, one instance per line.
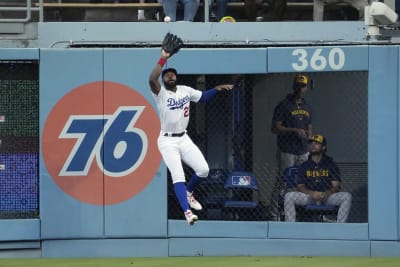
x=341, y=199
x=175, y=150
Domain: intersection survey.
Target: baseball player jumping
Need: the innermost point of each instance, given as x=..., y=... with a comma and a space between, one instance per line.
x=175, y=146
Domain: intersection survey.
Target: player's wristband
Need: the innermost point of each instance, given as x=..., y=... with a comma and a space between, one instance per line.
x=162, y=61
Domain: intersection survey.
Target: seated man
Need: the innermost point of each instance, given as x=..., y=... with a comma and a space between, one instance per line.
x=318, y=13
x=221, y=9
x=253, y=9
x=189, y=8
x=318, y=182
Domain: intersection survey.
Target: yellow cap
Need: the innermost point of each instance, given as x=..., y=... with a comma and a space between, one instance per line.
x=227, y=19
x=319, y=138
x=301, y=79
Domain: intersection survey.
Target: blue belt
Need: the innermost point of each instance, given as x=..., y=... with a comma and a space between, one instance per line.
x=174, y=134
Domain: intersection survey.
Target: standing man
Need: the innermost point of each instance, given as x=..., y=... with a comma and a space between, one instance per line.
x=173, y=102
x=291, y=123
x=318, y=182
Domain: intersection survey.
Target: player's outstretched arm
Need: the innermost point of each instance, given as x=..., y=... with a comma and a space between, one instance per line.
x=210, y=93
x=170, y=45
x=226, y=87
x=155, y=85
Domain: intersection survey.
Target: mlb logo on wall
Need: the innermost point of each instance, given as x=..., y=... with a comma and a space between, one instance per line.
x=2, y=118
x=241, y=180
x=99, y=143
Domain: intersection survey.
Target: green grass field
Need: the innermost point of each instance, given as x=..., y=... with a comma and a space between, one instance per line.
x=207, y=262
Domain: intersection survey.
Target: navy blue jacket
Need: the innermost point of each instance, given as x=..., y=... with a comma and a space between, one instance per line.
x=293, y=116
x=318, y=176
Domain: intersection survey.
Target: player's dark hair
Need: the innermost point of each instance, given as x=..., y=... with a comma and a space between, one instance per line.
x=165, y=71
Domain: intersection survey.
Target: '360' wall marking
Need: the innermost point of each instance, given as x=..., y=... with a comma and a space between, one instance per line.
x=318, y=60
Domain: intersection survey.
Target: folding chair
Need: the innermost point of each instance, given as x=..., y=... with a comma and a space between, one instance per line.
x=309, y=212
x=242, y=201
x=211, y=194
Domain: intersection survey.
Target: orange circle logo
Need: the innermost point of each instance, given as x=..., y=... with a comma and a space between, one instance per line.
x=99, y=143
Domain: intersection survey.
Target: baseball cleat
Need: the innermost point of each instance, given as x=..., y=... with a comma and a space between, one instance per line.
x=193, y=203
x=190, y=217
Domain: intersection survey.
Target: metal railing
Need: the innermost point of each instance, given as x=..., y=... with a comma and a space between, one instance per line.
x=27, y=8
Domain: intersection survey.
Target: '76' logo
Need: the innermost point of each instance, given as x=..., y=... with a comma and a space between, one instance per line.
x=112, y=140
x=99, y=143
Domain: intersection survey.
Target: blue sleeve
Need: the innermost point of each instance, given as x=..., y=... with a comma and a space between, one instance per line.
x=335, y=172
x=279, y=113
x=301, y=174
x=208, y=95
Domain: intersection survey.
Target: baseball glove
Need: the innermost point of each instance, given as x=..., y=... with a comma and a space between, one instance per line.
x=171, y=43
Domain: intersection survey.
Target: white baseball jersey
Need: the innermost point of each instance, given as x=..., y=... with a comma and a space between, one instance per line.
x=174, y=107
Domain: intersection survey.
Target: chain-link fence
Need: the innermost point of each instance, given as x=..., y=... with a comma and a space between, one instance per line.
x=19, y=135
x=234, y=133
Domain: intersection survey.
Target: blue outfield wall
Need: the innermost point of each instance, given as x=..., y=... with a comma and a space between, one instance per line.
x=111, y=207
x=383, y=144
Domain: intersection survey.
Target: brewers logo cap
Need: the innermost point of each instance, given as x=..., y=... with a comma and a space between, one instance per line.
x=299, y=78
x=319, y=138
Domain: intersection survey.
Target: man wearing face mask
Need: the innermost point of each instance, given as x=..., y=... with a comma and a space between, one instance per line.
x=318, y=182
x=173, y=102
